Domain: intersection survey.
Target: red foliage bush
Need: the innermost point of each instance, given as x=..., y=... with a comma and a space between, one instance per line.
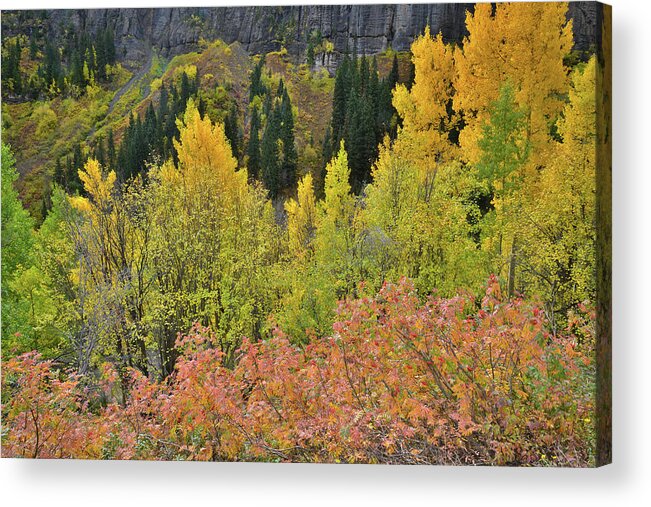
x=451, y=381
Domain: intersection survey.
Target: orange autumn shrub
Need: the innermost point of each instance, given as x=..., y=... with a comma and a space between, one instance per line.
x=45, y=414
x=450, y=381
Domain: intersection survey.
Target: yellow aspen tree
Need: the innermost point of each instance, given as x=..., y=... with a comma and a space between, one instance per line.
x=425, y=108
x=100, y=216
x=316, y=285
x=301, y=218
x=420, y=226
x=206, y=162
x=112, y=248
x=393, y=195
x=559, y=232
x=524, y=43
x=338, y=205
x=416, y=210
x=215, y=242
x=97, y=185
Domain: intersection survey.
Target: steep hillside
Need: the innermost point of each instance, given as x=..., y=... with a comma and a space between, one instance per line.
x=41, y=132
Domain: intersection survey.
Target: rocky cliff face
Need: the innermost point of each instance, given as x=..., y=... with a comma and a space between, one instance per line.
x=369, y=29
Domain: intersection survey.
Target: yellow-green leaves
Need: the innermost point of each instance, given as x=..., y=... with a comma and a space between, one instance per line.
x=301, y=218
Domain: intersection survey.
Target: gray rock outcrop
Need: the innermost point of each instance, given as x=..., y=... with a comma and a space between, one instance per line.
x=368, y=29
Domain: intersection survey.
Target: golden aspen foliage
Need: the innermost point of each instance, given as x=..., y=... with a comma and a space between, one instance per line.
x=97, y=185
x=301, y=218
x=524, y=43
x=339, y=202
x=356, y=327
x=206, y=162
x=424, y=108
x=335, y=234
x=393, y=196
x=214, y=242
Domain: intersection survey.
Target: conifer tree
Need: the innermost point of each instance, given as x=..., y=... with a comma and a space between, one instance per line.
x=360, y=139
x=290, y=157
x=394, y=75
x=110, y=150
x=163, y=105
x=364, y=75
x=109, y=45
x=340, y=101
x=256, y=87
x=11, y=75
x=270, y=153
x=310, y=53
x=33, y=47
x=232, y=129
x=51, y=68
x=77, y=71
x=100, y=55
x=59, y=174
x=99, y=151
x=253, y=148
x=186, y=90
x=374, y=98
x=151, y=128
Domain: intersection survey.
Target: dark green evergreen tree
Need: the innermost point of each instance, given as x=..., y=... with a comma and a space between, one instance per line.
x=374, y=99
x=364, y=75
x=394, y=75
x=340, y=100
x=257, y=88
x=51, y=69
x=100, y=55
x=310, y=54
x=253, y=148
x=59, y=174
x=73, y=183
x=77, y=70
x=99, y=152
x=232, y=130
x=186, y=90
x=361, y=139
x=290, y=157
x=110, y=150
x=270, y=153
x=33, y=47
x=201, y=107
x=151, y=127
x=11, y=76
x=109, y=45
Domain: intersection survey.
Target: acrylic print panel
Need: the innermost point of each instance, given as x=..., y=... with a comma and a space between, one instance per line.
x=340, y=234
